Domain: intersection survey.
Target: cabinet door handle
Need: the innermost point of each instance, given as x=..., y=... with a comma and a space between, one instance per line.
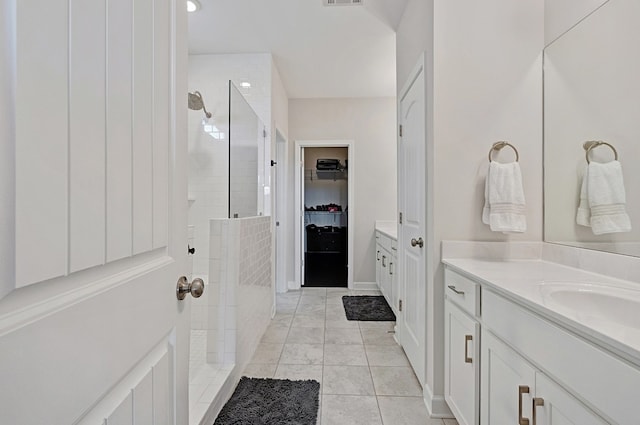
x=378, y=255
x=384, y=257
x=537, y=401
x=390, y=267
x=467, y=338
x=453, y=288
x=522, y=389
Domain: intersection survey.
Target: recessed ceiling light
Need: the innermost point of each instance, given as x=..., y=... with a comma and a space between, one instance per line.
x=245, y=85
x=193, y=5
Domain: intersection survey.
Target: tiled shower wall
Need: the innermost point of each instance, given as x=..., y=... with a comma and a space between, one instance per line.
x=241, y=295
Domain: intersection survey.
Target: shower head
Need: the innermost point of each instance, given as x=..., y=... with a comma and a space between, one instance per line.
x=196, y=102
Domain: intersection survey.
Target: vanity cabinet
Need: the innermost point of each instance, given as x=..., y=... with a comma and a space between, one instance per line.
x=386, y=267
x=532, y=371
x=507, y=383
x=554, y=406
x=518, y=393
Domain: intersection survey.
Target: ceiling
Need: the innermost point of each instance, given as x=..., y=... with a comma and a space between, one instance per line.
x=320, y=51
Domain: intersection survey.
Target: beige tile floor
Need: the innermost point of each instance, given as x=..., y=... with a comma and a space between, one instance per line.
x=365, y=377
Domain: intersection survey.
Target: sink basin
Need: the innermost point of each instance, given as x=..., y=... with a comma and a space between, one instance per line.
x=595, y=302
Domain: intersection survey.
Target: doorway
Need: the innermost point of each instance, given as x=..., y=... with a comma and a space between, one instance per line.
x=324, y=203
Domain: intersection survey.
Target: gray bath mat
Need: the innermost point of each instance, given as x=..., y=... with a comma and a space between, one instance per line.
x=271, y=402
x=368, y=308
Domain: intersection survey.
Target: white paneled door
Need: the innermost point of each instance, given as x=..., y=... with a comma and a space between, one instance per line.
x=412, y=243
x=91, y=330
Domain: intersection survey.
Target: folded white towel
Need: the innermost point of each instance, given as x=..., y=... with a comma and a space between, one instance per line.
x=603, y=199
x=504, y=204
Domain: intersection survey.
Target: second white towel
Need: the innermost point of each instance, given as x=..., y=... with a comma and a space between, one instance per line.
x=504, y=204
x=603, y=199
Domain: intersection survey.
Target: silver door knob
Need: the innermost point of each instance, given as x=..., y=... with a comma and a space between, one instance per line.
x=195, y=288
x=417, y=242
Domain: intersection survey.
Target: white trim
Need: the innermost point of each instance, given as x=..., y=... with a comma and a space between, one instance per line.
x=365, y=286
x=437, y=407
x=292, y=285
x=281, y=213
x=299, y=176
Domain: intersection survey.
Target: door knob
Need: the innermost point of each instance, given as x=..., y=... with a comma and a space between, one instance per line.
x=196, y=288
x=417, y=242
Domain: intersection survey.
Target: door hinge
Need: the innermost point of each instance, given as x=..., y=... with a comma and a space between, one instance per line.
x=400, y=218
x=400, y=305
x=277, y=223
x=400, y=130
x=264, y=133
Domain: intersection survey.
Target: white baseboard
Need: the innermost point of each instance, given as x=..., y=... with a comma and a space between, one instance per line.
x=437, y=407
x=365, y=286
x=292, y=286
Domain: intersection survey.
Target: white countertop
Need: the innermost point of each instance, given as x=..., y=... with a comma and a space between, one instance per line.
x=388, y=227
x=519, y=280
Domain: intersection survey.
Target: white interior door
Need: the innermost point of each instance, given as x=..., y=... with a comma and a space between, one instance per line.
x=91, y=330
x=412, y=257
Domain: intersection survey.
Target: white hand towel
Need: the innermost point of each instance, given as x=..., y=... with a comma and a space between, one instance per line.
x=504, y=208
x=583, y=216
x=603, y=206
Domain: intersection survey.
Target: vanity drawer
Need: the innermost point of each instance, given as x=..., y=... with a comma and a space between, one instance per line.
x=462, y=291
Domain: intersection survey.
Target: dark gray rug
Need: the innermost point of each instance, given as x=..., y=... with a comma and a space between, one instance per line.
x=271, y=402
x=368, y=308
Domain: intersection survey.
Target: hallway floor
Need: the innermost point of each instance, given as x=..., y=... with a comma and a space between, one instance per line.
x=365, y=377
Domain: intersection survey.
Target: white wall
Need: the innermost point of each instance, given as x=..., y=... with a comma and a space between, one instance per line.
x=279, y=105
x=208, y=158
x=484, y=74
x=371, y=124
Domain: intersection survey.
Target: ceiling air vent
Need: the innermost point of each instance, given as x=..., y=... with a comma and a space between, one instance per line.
x=342, y=2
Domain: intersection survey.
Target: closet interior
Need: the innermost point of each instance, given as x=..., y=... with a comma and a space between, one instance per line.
x=326, y=216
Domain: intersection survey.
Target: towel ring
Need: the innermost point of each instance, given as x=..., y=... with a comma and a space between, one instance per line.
x=591, y=144
x=499, y=145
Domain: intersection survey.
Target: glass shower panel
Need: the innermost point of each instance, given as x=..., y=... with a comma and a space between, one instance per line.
x=246, y=157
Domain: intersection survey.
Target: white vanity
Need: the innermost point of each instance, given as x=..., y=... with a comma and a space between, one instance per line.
x=387, y=261
x=534, y=342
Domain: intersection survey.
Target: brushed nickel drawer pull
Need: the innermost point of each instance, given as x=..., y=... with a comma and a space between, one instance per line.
x=453, y=288
x=467, y=338
x=522, y=389
x=537, y=401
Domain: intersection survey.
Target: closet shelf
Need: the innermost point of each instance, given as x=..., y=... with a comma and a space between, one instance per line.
x=310, y=174
x=324, y=212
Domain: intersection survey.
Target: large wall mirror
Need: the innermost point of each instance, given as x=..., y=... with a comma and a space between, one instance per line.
x=592, y=92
